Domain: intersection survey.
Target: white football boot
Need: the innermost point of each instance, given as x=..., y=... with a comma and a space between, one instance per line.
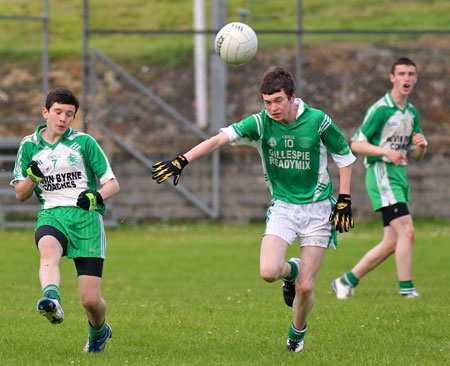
x=342, y=290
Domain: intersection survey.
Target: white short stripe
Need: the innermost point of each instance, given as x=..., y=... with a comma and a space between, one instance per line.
x=102, y=236
x=384, y=187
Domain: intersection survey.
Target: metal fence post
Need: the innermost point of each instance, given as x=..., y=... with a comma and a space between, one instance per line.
x=298, y=69
x=45, y=58
x=85, y=75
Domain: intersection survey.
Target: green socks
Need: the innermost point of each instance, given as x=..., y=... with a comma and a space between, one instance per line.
x=52, y=291
x=296, y=335
x=97, y=333
x=349, y=279
x=405, y=287
x=294, y=272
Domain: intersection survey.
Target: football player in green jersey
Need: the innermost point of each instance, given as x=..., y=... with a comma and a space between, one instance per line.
x=292, y=140
x=391, y=126
x=60, y=165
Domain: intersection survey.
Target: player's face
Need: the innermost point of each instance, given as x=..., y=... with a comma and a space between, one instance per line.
x=278, y=105
x=59, y=117
x=404, y=79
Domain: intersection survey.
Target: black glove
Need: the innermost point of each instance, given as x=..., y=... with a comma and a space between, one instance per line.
x=34, y=172
x=166, y=169
x=89, y=199
x=342, y=213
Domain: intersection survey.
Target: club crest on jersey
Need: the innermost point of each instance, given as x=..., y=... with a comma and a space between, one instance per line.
x=305, y=142
x=72, y=159
x=272, y=142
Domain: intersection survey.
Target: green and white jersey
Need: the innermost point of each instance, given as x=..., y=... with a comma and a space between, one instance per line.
x=294, y=157
x=388, y=126
x=70, y=166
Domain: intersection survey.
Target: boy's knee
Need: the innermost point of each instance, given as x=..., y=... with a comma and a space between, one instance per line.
x=304, y=288
x=90, y=301
x=270, y=274
x=409, y=233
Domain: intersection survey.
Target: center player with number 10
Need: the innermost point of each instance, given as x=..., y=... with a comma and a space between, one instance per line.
x=292, y=140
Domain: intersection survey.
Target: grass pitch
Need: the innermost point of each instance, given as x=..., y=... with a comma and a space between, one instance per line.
x=190, y=294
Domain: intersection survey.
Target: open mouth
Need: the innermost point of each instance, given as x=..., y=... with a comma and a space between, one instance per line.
x=406, y=86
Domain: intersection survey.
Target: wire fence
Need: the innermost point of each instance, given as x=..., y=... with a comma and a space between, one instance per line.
x=343, y=73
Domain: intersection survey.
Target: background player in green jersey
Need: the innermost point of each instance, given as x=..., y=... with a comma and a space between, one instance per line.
x=292, y=140
x=61, y=165
x=390, y=127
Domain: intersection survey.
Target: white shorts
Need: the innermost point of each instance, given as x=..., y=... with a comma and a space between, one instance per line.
x=307, y=222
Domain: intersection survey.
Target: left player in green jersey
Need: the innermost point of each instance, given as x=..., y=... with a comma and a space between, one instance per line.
x=292, y=140
x=61, y=165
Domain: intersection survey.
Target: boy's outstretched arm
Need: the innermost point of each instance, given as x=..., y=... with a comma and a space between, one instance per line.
x=173, y=168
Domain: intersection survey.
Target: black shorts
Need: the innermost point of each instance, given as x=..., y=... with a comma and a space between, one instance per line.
x=393, y=212
x=84, y=266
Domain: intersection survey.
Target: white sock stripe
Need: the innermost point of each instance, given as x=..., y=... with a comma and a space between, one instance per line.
x=51, y=287
x=296, y=331
x=407, y=290
x=346, y=279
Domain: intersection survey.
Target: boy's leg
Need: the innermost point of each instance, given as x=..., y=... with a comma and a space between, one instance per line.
x=49, y=305
x=273, y=265
x=312, y=258
x=50, y=255
x=377, y=254
x=90, y=294
x=343, y=286
x=404, y=228
x=403, y=255
x=95, y=307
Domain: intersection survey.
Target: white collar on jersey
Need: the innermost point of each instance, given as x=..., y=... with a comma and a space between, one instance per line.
x=301, y=106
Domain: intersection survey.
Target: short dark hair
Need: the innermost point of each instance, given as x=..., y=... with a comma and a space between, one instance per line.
x=402, y=61
x=276, y=80
x=63, y=96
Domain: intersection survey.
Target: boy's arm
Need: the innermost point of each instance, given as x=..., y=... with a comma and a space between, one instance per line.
x=89, y=199
x=421, y=148
x=345, y=175
x=208, y=146
x=24, y=189
x=366, y=148
x=173, y=168
x=109, y=189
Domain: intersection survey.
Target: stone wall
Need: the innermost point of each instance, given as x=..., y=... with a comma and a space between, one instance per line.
x=244, y=196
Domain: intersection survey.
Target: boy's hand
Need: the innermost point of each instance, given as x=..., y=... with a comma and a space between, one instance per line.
x=418, y=139
x=89, y=199
x=342, y=214
x=166, y=169
x=34, y=172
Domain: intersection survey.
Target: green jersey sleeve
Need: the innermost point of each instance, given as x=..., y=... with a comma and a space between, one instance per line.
x=335, y=142
x=250, y=127
x=371, y=126
x=23, y=158
x=97, y=160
